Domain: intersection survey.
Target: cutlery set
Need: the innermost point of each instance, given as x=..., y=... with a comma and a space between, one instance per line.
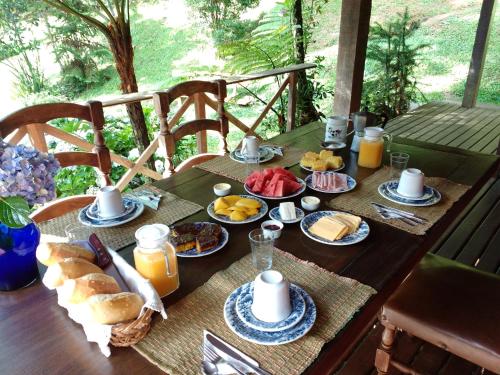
x=393, y=213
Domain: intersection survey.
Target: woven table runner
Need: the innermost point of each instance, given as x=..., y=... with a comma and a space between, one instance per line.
x=171, y=209
x=225, y=166
x=358, y=201
x=174, y=344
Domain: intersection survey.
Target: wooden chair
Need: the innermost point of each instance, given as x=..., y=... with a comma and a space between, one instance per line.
x=168, y=137
x=32, y=121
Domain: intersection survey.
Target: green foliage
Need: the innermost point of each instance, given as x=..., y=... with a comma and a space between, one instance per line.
x=14, y=212
x=216, y=12
x=390, y=86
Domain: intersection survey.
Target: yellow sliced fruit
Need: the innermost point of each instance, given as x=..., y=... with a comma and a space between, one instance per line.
x=252, y=211
x=223, y=212
x=237, y=208
x=238, y=216
x=232, y=199
x=248, y=202
x=220, y=204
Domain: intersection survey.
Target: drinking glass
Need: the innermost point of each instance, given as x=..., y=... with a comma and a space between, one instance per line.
x=77, y=232
x=252, y=164
x=262, y=250
x=399, y=161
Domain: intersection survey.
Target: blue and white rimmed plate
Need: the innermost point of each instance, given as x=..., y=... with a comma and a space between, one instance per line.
x=265, y=155
x=392, y=186
x=244, y=310
x=309, y=169
x=432, y=195
x=350, y=239
x=351, y=184
x=294, y=194
x=108, y=223
x=274, y=214
x=192, y=253
x=225, y=219
x=269, y=338
x=93, y=210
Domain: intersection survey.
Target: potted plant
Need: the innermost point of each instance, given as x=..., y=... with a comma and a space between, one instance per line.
x=26, y=180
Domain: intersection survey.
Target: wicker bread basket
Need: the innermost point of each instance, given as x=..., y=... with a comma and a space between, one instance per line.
x=130, y=333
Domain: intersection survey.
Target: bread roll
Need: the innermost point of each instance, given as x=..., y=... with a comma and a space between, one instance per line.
x=114, y=308
x=69, y=268
x=78, y=290
x=49, y=253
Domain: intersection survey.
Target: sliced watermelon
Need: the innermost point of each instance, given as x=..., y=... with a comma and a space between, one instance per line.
x=259, y=184
x=250, y=180
x=291, y=186
x=268, y=172
x=284, y=172
x=279, y=190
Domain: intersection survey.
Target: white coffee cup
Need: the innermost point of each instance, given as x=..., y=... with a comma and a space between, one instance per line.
x=250, y=146
x=271, y=297
x=411, y=183
x=336, y=128
x=109, y=202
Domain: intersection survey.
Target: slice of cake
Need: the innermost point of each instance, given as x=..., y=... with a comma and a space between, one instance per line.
x=180, y=229
x=204, y=243
x=325, y=154
x=183, y=242
x=334, y=162
x=210, y=229
x=319, y=165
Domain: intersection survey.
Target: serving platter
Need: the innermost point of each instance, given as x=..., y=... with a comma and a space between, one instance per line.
x=351, y=184
x=294, y=194
x=192, y=253
x=224, y=219
x=309, y=169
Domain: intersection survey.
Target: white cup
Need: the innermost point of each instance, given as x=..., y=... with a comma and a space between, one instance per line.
x=411, y=183
x=250, y=146
x=271, y=297
x=336, y=128
x=109, y=202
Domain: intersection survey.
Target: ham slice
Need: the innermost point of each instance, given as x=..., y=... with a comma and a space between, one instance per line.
x=331, y=182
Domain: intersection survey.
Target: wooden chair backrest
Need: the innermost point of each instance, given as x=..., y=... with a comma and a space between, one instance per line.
x=162, y=101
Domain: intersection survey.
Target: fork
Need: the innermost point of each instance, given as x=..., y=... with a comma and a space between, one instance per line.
x=217, y=359
x=390, y=215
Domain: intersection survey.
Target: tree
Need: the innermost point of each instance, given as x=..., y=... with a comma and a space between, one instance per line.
x=112, y=19
x=215, y=12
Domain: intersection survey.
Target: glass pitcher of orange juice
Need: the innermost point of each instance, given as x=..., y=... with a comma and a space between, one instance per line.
x=155, y=258
x=371, y=147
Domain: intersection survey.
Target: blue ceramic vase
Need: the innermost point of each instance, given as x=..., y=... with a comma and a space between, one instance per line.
x=18, y=266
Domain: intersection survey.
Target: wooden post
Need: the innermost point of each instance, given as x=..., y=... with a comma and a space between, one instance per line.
x=478, y=54
x=354, y=28
x=292, y=101
x=201, y=137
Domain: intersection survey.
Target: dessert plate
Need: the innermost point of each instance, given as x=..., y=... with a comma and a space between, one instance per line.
x=224, y=219
x=192, y=253
x=387, y=194
x=274, y=214
x=294, y=194
x=269, y=338
x=93, y=211
x=309, y=169
x=244, y=311
x=350, y=239
x=108, y=223
x=351, y=184
x=265, y=155
x=392, y=186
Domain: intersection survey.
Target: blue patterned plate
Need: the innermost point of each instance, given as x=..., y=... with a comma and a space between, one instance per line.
x=298, y=192
x=225, y=219
x=350, y=239
x=108, y=223
x=93, y=211
x=192, y=253
x=351, y=184
x=269, y=338
x=392, y=187
x=244, y=311
x=309, y=169
x=384, y=191
x=265, y=155
x=275, y=215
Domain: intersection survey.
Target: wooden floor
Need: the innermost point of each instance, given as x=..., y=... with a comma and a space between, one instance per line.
x=476, y=129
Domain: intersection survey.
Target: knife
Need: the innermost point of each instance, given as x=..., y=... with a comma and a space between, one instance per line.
x=221, y=346
x=400, y=212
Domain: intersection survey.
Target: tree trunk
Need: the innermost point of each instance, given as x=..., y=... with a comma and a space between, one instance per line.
x=305, y=105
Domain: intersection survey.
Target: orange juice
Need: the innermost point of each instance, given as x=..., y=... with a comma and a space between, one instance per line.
x=155, y=259
x=370, y=153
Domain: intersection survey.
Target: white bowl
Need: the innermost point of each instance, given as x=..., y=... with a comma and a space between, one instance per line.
x=222, y=189
x=272, y=233
x=310, y=203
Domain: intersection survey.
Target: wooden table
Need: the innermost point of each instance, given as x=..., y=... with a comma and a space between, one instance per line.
x=38, y=338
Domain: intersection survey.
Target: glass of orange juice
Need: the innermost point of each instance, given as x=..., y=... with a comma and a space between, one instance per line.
x=155, y=258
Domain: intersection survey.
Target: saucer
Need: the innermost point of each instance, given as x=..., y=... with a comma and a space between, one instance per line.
x=265, y=154
x=93, y=211
x=244, y=311
x=387, y=194
x=269, y=338
x=333, y=145
x=275, y=215
x=108, y=223
x=392, y=186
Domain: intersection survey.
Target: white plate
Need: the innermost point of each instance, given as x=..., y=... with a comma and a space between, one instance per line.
x=351, y=184
x=265, y=154
x=274, y=214
x=85, y=220
x=350, y=239
x=392, y=186
x=387, y=194
x=298, y=192
x=224, y=219
x=309, y=169
x=192, y=253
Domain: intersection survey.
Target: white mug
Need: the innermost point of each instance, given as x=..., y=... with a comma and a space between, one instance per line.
x=250, y=146
x=336, y=128
x=271, y=297
x=109, y=202
x=411, y=183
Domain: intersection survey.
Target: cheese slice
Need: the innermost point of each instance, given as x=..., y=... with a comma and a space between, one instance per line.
x=352, y=221
x=329, y=228
x=287, y=211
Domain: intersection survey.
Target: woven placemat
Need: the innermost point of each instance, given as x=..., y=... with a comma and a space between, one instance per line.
x=174, y=344
x=358, y=201
x=171, y=209
x=225, y=166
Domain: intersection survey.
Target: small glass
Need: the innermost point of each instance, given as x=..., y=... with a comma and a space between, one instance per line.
x=262, y=250
x=399, y=161
x=77, y=232
x=252, y=164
